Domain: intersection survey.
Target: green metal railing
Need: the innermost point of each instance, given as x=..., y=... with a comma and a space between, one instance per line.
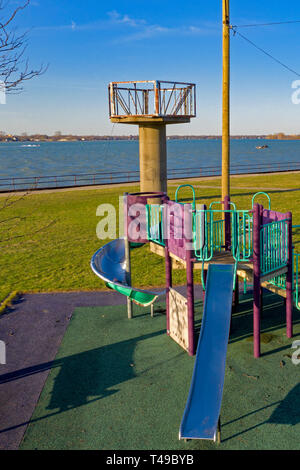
x=242, y=227
x=218, y=234
x=264, y=194
x=193, y=192
x=280, y=281
x=209, y=231
x=203, y=234
x=273, y=246
x=209, y=234
x=155, y=225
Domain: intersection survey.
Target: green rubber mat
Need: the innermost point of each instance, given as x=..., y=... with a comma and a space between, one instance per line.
x=122, y=384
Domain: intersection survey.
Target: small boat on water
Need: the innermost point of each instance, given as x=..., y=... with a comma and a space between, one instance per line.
x=30, y=145
x=262, y=147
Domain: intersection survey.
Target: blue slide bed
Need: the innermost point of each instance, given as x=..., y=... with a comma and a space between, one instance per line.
x=202, y=411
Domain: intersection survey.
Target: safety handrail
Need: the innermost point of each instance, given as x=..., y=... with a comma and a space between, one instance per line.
x=264, y=194
x=280, y=281
x=208, y=232
x=203, y=234
x=221, y=202
x=273, y=246
x=242, y=226
x=186, y=186
x=155, y=224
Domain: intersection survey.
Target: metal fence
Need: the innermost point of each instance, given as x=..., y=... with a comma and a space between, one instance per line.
x=132, y=176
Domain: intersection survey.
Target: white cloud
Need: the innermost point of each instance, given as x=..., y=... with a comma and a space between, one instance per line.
x=131, y=29
x=144, y=30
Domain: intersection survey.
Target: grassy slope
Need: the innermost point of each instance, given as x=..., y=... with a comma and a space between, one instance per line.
x=56, y=258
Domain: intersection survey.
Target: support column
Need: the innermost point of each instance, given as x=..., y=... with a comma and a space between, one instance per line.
x=127, y=253
x=153, y=157
x=128, y=275
x=190, y=299
x=289, y=280
x=168, y=262
x=256, y=280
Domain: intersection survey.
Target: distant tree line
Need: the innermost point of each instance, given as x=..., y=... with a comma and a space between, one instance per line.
x=60, y=137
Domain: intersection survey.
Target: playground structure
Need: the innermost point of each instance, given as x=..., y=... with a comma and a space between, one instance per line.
x=258, y=242
x=225, y=243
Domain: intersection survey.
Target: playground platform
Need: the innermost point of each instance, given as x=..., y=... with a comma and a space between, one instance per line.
x=117, y=385
x=244, y=269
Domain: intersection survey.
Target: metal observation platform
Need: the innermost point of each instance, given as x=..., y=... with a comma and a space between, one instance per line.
x=151, y=100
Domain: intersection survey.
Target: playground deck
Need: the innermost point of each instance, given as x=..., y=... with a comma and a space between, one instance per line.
x=244, y=269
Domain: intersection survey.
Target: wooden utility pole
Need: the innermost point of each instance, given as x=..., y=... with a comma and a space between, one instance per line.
x=226, y=103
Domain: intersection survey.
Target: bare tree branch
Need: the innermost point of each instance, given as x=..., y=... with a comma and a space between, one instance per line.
x=14, y=67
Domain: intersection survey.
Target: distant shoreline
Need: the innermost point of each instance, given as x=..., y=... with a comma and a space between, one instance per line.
x=94, y=138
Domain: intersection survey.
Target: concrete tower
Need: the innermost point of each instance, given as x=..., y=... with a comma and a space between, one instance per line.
x=152, y=105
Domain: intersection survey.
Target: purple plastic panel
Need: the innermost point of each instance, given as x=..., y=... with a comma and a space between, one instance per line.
x=272, y=216
x=136, y=215
x=178, y=228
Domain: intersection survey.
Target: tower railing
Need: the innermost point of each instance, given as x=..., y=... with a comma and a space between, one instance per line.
x=152, y=98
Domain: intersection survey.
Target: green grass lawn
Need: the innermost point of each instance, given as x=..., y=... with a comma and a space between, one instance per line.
x=47, y=239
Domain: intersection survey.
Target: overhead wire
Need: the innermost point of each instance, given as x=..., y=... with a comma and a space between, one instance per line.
x=274, y=23
x=234, y=29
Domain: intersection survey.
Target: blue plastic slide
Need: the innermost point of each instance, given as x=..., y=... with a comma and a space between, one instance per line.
x=202, y=411
x=108, y=263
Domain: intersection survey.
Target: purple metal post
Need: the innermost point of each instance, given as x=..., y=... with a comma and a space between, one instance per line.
x=190, y=299
x=190, y=285
x=289, y=280
x=168, y=262
x=227, y=223
x=256, y=278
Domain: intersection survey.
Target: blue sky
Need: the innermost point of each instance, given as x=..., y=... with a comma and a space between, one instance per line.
x=90, y=43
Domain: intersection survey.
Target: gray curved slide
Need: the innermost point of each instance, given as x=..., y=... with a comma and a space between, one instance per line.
x=202, y=411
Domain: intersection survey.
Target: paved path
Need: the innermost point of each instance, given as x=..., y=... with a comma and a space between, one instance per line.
x=32, y=332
